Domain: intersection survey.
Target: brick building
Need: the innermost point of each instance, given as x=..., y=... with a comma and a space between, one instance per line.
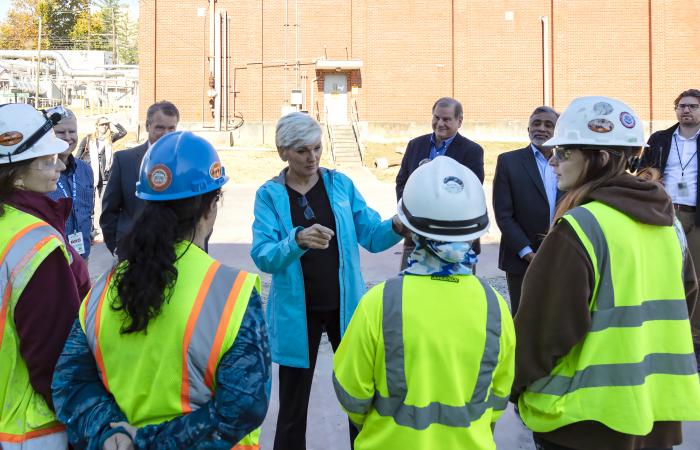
x=385, y=62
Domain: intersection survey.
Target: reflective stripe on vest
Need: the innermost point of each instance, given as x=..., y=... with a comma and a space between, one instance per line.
x=418, y=417
x=16, y=255
x=607, y=315
x=25, y=414
x=204, y=334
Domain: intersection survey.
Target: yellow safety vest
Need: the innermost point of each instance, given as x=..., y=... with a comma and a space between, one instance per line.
x=170, y=371
x=25, y=242
x=636, y=365
x=427, y=364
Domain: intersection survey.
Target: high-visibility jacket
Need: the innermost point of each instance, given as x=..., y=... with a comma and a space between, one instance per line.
x=427, y=362
x=25, y=242
x=170, y=370
x=636, y=365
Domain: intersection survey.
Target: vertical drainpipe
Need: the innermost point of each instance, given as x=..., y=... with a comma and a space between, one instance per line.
x=551, y=51
x=546, y=70
x=262, y=68
x=218, y=100
x=155, y=49
x=453, y=48
x=651, y=73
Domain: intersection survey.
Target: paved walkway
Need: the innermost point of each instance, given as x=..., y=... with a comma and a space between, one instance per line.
x=327, y=425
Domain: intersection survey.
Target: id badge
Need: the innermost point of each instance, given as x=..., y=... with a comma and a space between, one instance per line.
x=76, y=241
x=683, y=189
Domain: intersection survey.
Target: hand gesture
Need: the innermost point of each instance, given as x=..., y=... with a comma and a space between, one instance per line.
x=316, y=236
x=119, y=441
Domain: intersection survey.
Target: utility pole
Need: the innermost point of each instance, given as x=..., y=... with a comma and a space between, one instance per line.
x=115, y=56
x=89, y=17
x=38, y=65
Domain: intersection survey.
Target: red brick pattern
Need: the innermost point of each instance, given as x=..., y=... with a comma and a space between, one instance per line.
x=488, y=54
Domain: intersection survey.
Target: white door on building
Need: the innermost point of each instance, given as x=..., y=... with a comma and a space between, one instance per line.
x=335, y=89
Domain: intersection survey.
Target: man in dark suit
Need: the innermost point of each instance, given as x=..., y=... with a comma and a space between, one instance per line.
x=120, y=206
x=524, y=199
x=444, y=140
x=674, y=153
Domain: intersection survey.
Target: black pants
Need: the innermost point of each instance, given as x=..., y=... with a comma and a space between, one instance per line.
x=515, y=285
x=541, y=444
x=295, y=384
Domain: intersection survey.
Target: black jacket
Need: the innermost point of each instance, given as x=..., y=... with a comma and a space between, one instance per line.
x=520, y=206
x=466, y=152
x=120, y=206
x=656, y=155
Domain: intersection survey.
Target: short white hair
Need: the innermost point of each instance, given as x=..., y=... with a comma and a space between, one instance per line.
x=296, y=130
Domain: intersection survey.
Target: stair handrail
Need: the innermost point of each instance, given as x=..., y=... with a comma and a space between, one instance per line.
x=355, y=118
x=329, y=131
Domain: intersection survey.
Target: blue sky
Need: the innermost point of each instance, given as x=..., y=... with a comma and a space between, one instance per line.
x=5, y=5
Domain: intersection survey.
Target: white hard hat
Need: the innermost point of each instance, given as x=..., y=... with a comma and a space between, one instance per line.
x=444, y=201
x=26, y=133
x=599, y=122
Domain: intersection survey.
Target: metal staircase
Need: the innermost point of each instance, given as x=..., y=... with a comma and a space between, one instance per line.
x=344, y=145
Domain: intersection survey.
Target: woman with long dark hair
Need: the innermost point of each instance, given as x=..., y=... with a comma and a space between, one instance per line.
x=170, y=350
x=42, y=278
x=605, y=358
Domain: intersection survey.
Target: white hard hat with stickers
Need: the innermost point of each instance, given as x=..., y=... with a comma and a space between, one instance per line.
x=444, y=201
x=26, y=133
x=598, y=122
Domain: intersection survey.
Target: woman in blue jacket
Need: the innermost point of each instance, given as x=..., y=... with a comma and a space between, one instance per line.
x=308, y=223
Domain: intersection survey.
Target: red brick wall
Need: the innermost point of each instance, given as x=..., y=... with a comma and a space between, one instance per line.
x=417, y=51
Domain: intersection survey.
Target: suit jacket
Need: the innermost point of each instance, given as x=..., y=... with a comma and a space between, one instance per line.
x=520, y=206
x=120, y=206
x=466, y=152
x=656, y=155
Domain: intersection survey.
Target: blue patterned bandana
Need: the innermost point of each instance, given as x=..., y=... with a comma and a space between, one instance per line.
x=440, y=258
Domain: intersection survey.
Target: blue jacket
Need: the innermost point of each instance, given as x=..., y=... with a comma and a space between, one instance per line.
x=80, y=218
x=275, y=251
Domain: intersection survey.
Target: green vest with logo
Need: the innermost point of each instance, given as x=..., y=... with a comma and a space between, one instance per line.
x=427, y=362
x=170, y=371
x=25, y=242
x=636, y=365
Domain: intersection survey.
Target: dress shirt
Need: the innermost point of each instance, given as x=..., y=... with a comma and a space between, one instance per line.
x=682, y=166
x=439, y=151
x=549, y=179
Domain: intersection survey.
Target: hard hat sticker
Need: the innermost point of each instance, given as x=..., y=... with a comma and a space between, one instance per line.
x=603, y=108
x=215, y=170
x=160, y=178
x=453, y=185
x=627, y=120
x=11, y=138
x=601, y=125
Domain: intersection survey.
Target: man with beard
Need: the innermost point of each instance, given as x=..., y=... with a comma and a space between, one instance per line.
x=524, y=198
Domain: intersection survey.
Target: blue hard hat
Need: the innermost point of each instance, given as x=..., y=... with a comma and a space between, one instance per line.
x=179, y=165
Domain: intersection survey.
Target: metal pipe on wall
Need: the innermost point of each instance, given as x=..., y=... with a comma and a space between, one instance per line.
x=212, y=32
x=217, y=72
x=225, y=67
x=546, y=63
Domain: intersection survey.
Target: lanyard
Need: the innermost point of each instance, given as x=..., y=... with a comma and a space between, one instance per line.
x=680, y=160
x=74, y=196
x=74, y=190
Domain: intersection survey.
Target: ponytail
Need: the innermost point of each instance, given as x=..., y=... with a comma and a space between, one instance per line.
x=147, y=274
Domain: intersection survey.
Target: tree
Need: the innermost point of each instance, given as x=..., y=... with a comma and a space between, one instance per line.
x=20, y=29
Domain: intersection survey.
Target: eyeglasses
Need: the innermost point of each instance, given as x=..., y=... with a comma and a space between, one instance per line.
x=308, y=212
x=562, y=154
x=103, y=124
x=44, y=163
x=690, y=106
